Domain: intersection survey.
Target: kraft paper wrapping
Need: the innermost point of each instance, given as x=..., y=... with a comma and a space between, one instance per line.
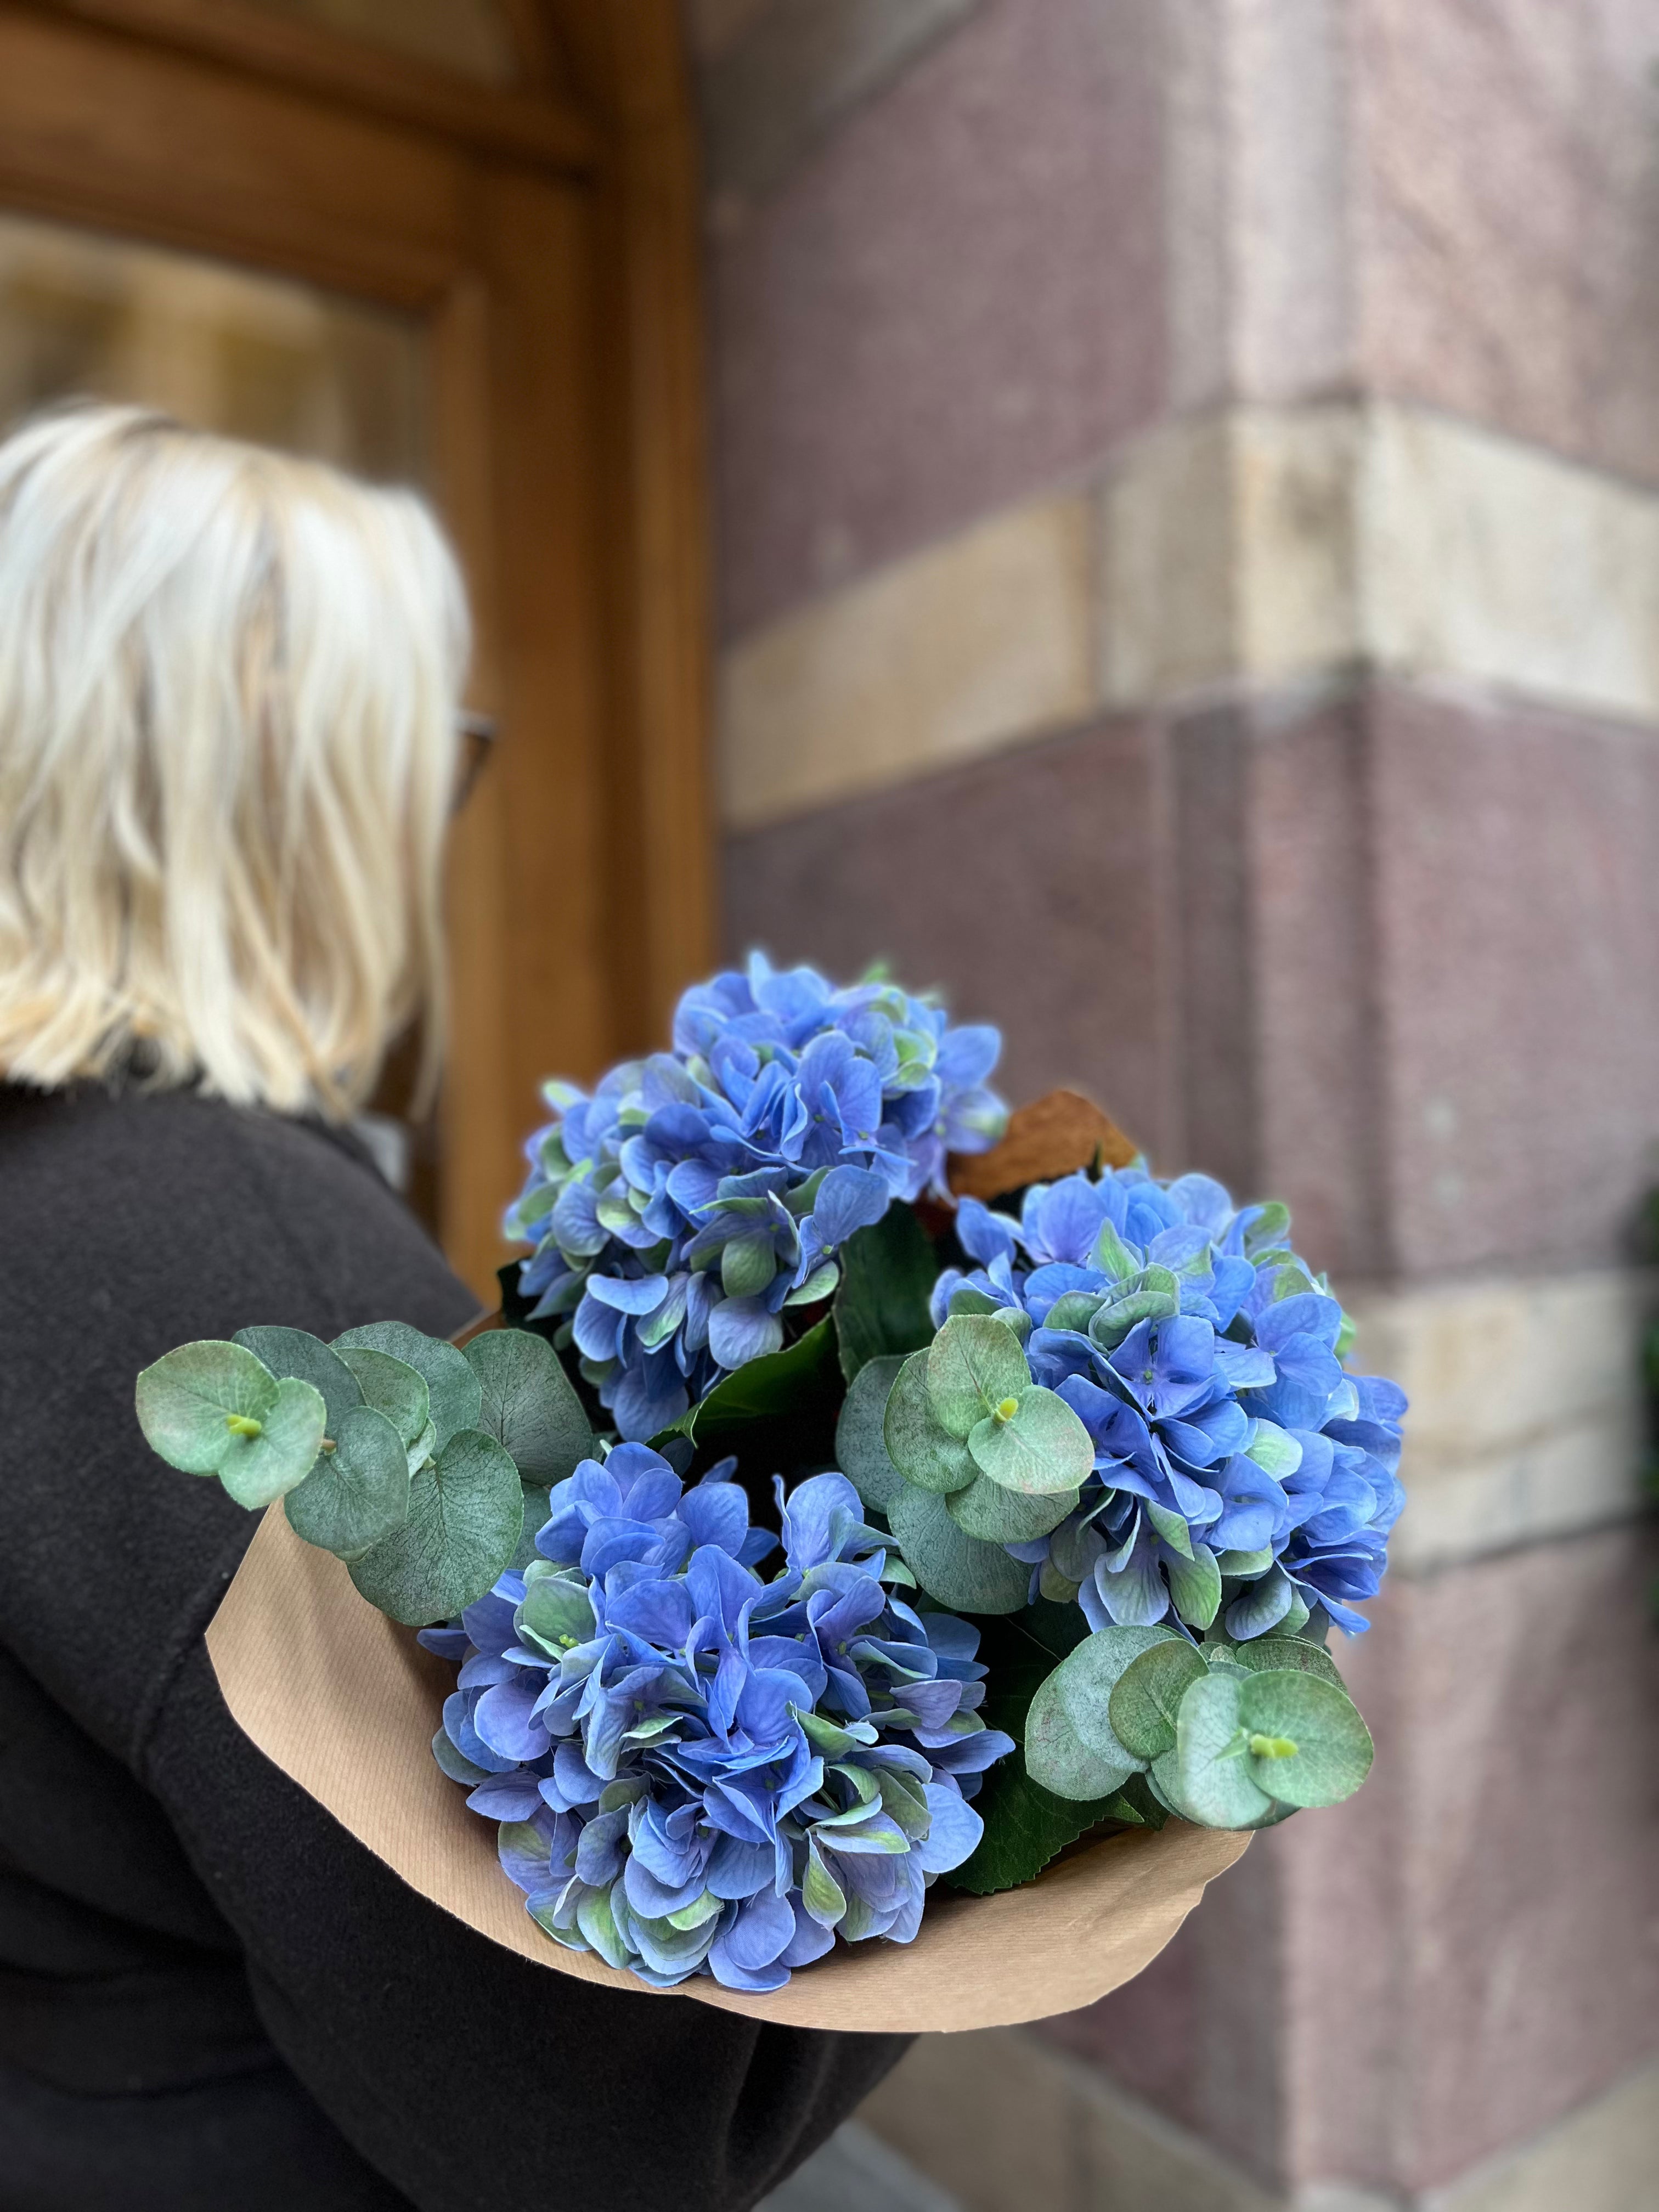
x=345, y=1703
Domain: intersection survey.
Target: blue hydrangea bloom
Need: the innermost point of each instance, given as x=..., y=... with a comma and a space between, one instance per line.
x=699, y=1771
x=697, y=1193
x=1233, y=1448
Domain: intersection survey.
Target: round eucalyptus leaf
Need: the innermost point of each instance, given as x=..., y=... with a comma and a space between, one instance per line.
x=955, y=1568
x=529, y=1405
x=1147, y=1697
x=187, y=1400
x=465, y=1512
x=452, y=1386
x=1308, y=1745
x=924, y=1454
x=393, y=1387
x=258, y=1469
x=295, y=1351
x=862, y=1451
x=1041, y=1449
x=357, y=1494
x=1071, y=1747
x=974, y=1364
x=424, y=1448
x=1206, y=1777
x=1290, y=1654
x=997, y=1516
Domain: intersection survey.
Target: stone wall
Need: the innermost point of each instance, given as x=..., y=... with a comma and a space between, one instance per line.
x=1189, y=516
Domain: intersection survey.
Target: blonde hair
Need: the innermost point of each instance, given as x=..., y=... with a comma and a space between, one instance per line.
x=227, y=691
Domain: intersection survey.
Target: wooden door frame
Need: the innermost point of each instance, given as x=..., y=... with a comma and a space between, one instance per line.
x=549, y=238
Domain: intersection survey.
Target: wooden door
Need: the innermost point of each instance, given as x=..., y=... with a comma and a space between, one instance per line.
x=539, y=234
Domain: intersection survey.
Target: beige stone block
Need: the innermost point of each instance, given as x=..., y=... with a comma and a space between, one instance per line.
x=990, y=2117
x=978, y=643
x=1604, y=2158
x=1168, y=565
x=1486, y=559
x=1526, y=1413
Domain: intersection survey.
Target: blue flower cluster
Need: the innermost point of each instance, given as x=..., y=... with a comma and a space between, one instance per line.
x=697, y=1193
x=700, y=1772
x=1234, y=1452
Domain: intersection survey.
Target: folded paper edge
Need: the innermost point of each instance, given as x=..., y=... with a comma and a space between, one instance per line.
x=348, y=1716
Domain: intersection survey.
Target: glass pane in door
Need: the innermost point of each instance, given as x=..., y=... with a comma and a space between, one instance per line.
x=252, y=356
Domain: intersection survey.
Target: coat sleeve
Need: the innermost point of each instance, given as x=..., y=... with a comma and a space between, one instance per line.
x=467, y=2075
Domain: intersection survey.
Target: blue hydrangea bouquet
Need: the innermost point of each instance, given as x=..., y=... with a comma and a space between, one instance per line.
x=814, y=1531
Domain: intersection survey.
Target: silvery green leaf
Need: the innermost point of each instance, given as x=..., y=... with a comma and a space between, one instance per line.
x=295, y=1351
x=1196, y=1586
x=257, y=1470
x=393, y=1387
x=1040, y=1448
x=997, y=1516
x=955, y=1568
x=965, y=1299
x=188, y=1399
x=1071, y=1747
x=1308, y=1745
x=861, y=1453
x=820, y=1284
x=1015, y=1318
x=927, y=1455
x=1289, y=1654
x=528, y=1404
x=357, y=1494
x=974, y=1364
x=466, y=1511
x=452, y=1386
x=424, y=1446
x=1147, y=1697
x=1206, y=1777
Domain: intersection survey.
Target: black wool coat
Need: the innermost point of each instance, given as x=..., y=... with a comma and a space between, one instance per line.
x=210, y=1994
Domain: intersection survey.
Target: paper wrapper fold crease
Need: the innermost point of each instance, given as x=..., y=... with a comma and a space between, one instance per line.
x=345, y=1703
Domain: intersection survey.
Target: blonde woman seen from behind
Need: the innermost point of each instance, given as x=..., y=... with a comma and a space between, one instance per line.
x=229, y=690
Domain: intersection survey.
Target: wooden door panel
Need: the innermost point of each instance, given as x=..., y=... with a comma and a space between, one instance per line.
x=157, y=144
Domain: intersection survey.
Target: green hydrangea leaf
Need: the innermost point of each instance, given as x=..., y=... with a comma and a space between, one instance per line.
x=1171, y=1526
x=529, y=1405
x=926, y=1454
x=452, y=1386
x=862, y=1451
x=1075, y=1310
x=997, y=1516
x=455, y=1763
x=1272, y=1449
x=796, y=1392
x=1207, y=1777
x=465, y=1513
x=1071, y=1747
x=1041, y=1449
x=974, y=1364
x=555, y=1614
x=1113, y=1256
x=1154, y=1294
x=1245, y=1566
x=887, y=1274
x=1196, y=1586
x=956, y=1569
x=1025, y=1826
x=1308, y=1745
x=188, y=1399
x=1271, y=1226
x=357, y=1494
x=1147, y=1696
x=393, y=1388
x=295, y=1351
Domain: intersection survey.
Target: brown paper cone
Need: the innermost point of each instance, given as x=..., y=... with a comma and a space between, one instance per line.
x=345, y=1703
